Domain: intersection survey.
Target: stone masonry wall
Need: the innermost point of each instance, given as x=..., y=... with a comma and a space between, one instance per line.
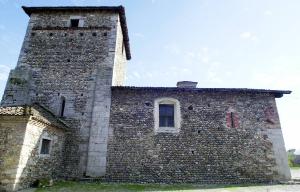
x=119, y=70
x=11, y=140
x=74, y=63
x=206, y=149
x=22, y=163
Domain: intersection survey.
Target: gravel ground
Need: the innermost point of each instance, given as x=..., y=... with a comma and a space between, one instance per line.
x=295, y=173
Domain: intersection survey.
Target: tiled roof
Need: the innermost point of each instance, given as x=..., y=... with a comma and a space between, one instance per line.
x=36, y=111
x=118, y=9
x=276, y=93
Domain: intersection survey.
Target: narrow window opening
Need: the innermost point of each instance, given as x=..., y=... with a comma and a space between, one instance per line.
x=81, y=34
x=190, y=107
x=148, y=104
x=94, y=34
x=105, y=34
x=74, y=22
x=166, y=115
x=51, y=34
x=45, y=148
x=32, y=34
x=62, y=107
x=232, y=119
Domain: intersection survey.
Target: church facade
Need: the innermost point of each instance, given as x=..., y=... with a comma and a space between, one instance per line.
x=66, y=113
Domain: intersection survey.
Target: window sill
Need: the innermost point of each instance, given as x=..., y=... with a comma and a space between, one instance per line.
x=167, y=130
x=44, y=155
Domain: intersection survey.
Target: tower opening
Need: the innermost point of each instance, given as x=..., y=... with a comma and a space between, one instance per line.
x=74, y=23
x=62, y=106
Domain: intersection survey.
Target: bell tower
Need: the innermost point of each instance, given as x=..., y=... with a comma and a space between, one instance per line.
x=70, y=58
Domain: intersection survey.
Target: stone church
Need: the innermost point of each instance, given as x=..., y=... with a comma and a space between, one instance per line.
x=66, y=113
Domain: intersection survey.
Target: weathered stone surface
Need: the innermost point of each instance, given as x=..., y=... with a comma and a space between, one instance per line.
x=221, y=136
x=79, y=64
x=205, y=150
x=20, y=139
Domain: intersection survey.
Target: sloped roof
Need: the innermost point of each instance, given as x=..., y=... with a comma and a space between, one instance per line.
x=276, y=93
x=37, y=112
x=118, y=9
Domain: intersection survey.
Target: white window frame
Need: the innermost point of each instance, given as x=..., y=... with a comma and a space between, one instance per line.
x=177, y=115
x=81, y=21
x=40, y=147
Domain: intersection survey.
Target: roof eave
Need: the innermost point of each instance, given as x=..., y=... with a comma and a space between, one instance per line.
x=276, y=93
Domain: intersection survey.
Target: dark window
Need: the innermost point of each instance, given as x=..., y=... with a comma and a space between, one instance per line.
x=62, y=107
x=45, y=149
x=166, y=115
x=232, y=119
x=74, y=22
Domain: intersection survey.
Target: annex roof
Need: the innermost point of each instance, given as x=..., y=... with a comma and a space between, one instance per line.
x=276, y=93
x=37, y=111
x=118, y=9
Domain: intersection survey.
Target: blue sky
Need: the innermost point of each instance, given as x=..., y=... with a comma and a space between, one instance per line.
x=219, y=43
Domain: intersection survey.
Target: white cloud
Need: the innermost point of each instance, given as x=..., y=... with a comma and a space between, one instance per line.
x=136, y=74
x=191, y=54
x=203, y=55
x=149, y=74
x=4, y=71
x=185, y=70
x=173, y=48
x=268, y=13
x=213, y=77
x=248, y=35
x=245, y=35
x=140, y=35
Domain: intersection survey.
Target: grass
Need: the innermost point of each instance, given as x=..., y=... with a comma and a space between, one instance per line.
x=295, y=168
x=292, y=165
x=71, y=186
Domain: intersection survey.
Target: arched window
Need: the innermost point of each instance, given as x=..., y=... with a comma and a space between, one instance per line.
x=62, y=106
x=167, y=115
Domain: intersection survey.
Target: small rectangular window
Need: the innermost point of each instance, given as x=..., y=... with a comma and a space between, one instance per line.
x=74, y=22
x=45, y=148
x=166, y=115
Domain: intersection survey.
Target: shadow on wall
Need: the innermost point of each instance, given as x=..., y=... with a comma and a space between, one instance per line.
x=30, y=149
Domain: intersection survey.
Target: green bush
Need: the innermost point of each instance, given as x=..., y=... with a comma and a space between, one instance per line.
x=291, y=158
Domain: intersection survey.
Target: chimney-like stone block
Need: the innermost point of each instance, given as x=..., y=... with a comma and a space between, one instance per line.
x=187, y=84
